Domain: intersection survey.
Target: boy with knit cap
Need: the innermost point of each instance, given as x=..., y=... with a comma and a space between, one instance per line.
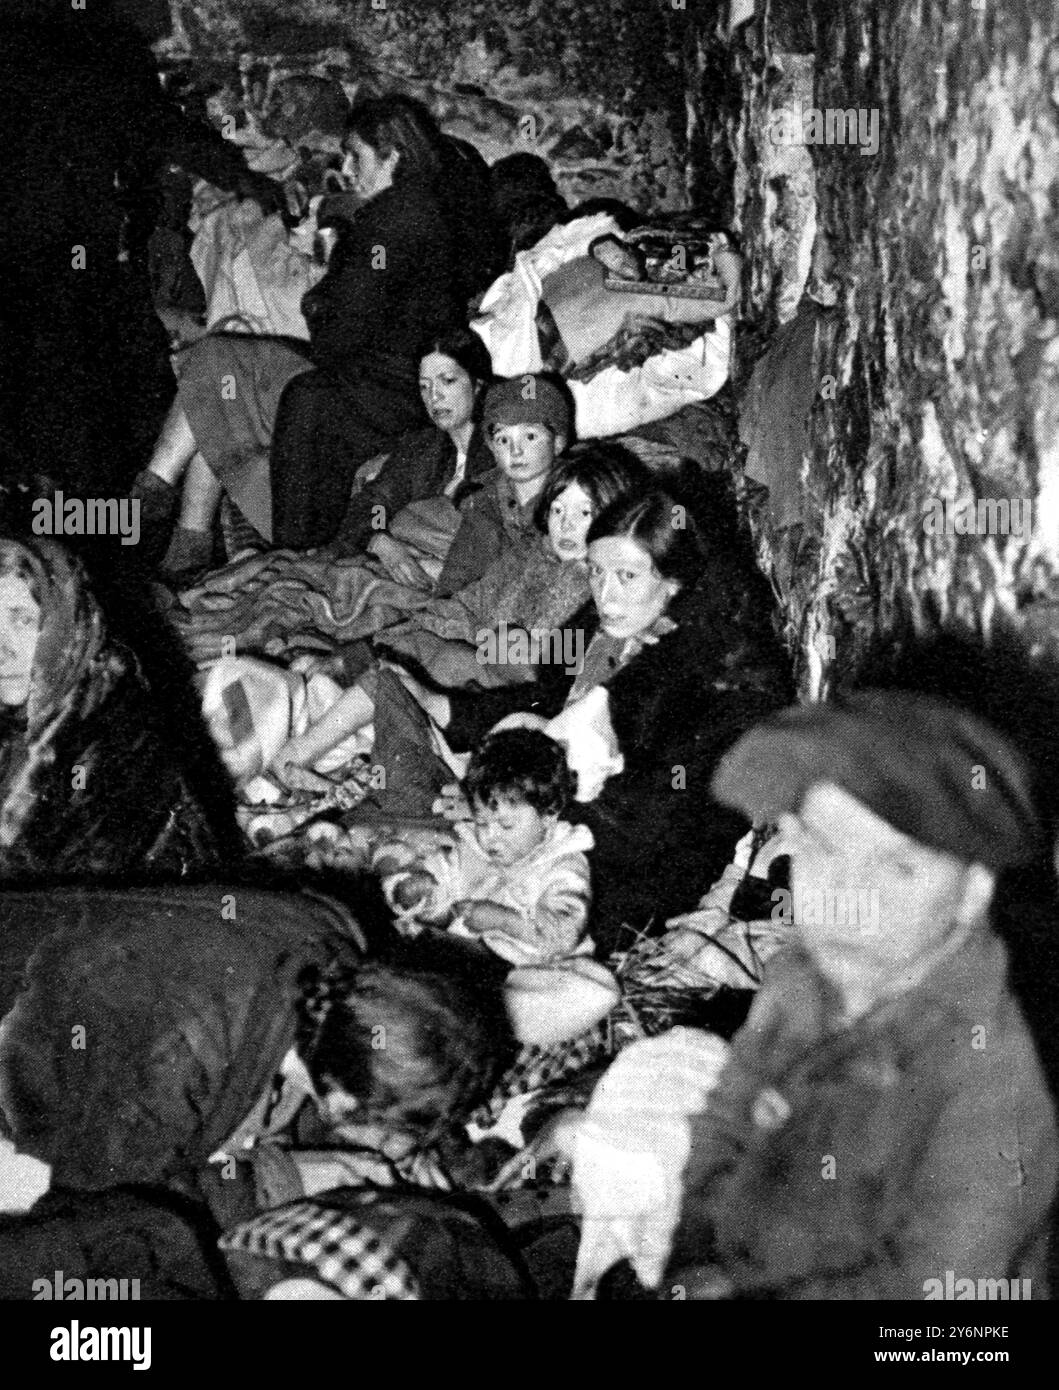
x=528, y=422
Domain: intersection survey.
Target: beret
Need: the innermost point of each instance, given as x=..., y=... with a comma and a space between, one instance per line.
x=932, y=770
x=527, y=400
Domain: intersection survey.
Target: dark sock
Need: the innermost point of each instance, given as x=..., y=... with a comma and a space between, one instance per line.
x=158, y=500
x=188, y=551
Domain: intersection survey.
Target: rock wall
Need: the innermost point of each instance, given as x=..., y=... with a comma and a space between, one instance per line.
x=931, y=383
x=935, y=383
x=595, y=87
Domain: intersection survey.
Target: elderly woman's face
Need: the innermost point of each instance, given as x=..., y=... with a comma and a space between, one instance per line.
x=865, y=898
x=19, y=635
x=629, y=592
x=447, y=391
x=368, y=172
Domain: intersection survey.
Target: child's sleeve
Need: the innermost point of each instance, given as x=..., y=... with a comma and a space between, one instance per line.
x=560, y=915
x=394, y=862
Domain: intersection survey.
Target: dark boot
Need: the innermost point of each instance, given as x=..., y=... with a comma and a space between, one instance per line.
x=189, y=553
x=158, y=502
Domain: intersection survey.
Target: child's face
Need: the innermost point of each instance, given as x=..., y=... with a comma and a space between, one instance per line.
x=569, y=518
x=509, y=830
x=524, y=452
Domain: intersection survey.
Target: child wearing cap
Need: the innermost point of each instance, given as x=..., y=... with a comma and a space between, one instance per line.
x=527, y=422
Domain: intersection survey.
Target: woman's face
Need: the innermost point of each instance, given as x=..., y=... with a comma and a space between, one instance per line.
x=524, y=452
x=367, y=172
x=19, y=635
x=447, y=391
x=569, y=518
x=628, y=590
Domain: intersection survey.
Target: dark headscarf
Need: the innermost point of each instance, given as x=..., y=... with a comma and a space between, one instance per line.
x=74, y=671
x=92, y=781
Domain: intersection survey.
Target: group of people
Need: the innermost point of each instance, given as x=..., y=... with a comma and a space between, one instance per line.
x=565, y=668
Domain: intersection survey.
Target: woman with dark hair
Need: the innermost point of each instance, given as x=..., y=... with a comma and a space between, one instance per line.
x=92, y=782
x=210, y=1032
x=283, y=433
x=454, y=371
x=493, y=632
x=681, y=657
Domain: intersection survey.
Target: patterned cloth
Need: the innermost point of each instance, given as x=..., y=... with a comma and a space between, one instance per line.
x=344, y=1252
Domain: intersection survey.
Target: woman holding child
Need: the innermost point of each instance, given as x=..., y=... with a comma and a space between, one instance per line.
x=681, y=657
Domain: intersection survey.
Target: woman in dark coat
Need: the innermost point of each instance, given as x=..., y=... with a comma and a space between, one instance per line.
x=93, y=783
x=679, y=658
x=283, y=432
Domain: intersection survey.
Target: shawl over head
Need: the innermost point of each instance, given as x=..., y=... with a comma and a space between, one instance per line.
x=74, y=670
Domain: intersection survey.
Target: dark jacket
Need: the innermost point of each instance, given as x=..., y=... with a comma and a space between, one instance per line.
x=87, y=132
x=862, y=1161
x=420, y=466
x=187, y=1000
x=661, y=839
x=391, y=284
x=491, y=519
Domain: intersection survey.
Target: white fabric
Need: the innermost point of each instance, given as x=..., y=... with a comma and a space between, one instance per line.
x=507, y=321
x=631, y=1149
x=283, y=704
x=585, y=731
x=613, y=402
x=252, y=271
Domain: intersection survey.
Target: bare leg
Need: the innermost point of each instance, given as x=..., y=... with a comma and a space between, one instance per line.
x=353, y=711
x=202, y=496
x=175, y=448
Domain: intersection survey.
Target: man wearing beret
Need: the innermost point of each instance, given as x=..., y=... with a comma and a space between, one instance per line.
x=882, y=1128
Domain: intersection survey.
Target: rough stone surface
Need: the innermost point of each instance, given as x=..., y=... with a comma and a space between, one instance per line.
x=596, y=88
x=945, y=361
x=937, y=378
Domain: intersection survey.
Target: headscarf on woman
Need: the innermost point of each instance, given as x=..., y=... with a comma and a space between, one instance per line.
x=89, y=785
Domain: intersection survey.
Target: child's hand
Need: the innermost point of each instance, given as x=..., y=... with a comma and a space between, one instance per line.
x=452, y=804
x=482, y=917
x=413, y=889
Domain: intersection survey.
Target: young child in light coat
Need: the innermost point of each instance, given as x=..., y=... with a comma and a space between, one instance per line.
x=517, y=878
